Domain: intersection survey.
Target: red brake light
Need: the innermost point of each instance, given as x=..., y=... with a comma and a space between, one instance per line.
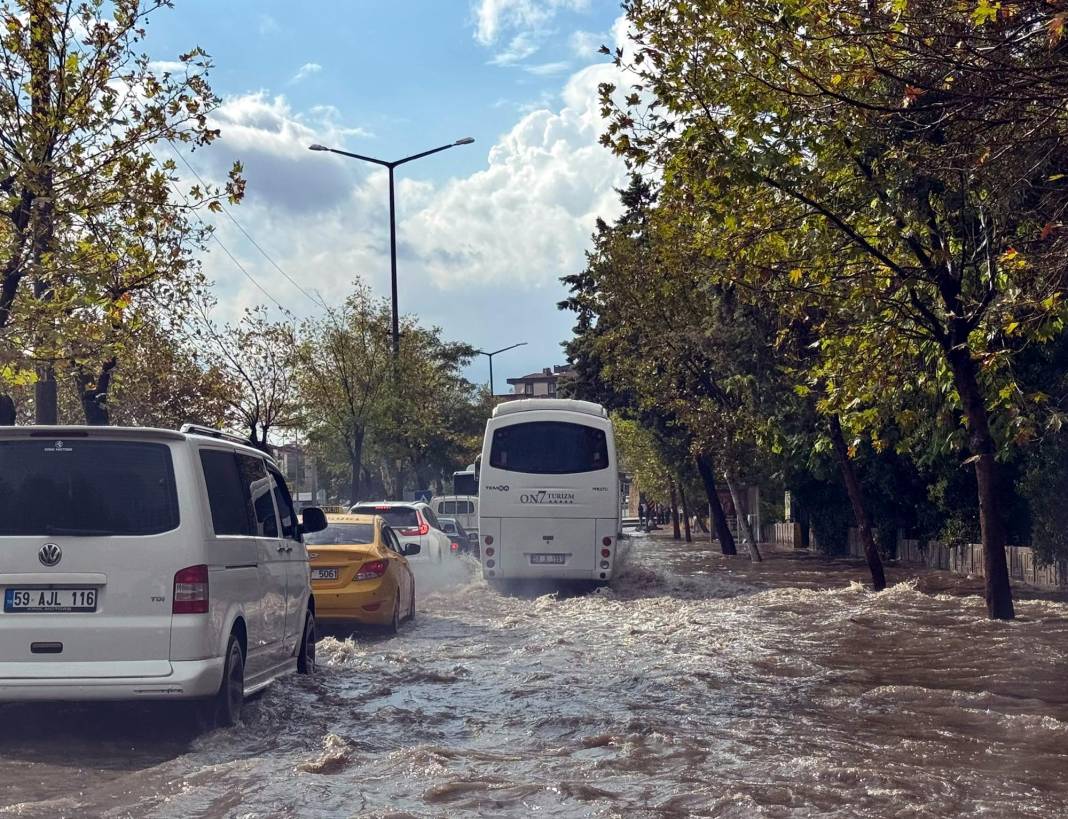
x=383, y=508
x=606, y=552
x=372, y=569
x=190, y=591
x=423, y=529
x=455, y=546
x=607, y=541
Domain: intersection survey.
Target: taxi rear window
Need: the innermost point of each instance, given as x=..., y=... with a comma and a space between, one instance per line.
x=341, y=534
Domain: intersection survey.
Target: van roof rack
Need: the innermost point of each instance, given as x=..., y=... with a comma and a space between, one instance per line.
x=211, y=432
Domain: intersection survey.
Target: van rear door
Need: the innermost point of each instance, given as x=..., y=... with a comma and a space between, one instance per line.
x=89, y=527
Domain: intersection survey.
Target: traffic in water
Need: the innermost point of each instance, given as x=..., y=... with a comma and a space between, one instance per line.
x=691, y=686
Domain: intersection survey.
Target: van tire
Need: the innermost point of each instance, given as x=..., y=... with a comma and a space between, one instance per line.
x=225, y=707
x=306, y=656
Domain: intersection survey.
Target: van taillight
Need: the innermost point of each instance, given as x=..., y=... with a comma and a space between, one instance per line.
x=190, y=591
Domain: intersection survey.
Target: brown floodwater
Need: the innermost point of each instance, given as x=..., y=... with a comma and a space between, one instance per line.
x=693, y=686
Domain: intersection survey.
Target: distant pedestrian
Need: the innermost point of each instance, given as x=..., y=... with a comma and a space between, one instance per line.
x=641, y=514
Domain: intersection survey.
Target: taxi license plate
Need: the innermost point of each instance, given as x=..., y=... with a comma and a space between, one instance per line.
x=324, y=574
x=57, y=600
x=547, y=558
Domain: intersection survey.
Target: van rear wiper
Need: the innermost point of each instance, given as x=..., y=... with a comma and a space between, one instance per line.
x=59, y=530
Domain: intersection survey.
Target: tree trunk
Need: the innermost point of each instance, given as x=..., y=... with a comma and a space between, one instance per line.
x=999, y=603
x=355, y=465
x=856, y=499
x=8, y=415
x=94, y=397
x=46, y=396
x=723, y=529
x=46, y=404
x=741, y=509
x=685, y=513
x=675, y=513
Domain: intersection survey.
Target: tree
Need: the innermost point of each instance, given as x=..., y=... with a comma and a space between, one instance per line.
x=345, y=366
x=88, y=224
x=923, y=141
x=259, y=356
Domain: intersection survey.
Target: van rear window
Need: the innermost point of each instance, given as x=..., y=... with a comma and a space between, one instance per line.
x=86, y=488
x=549, y=448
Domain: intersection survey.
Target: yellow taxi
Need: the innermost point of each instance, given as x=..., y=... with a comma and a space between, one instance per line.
x=360, y=572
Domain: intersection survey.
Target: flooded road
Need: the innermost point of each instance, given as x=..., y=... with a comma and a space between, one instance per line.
x=692, y=686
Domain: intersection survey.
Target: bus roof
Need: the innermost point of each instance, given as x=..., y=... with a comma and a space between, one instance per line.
x=558, y=404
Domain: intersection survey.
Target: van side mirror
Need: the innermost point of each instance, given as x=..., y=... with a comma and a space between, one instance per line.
x=312, y=519
x=409, y=549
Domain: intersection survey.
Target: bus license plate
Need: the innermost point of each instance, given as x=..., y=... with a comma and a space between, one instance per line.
x=545, y=558
x=57, y=600
x=324, y=574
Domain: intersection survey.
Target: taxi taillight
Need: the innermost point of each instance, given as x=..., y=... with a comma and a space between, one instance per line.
x=372, y=569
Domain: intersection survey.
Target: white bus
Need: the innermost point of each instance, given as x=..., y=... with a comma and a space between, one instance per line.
x=549, y=492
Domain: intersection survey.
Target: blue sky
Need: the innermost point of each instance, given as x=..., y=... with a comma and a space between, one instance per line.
x=485, y=230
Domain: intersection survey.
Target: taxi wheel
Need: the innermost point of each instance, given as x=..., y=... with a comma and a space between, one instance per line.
x=394, y=624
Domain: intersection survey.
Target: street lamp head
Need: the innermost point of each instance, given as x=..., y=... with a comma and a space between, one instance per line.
x=317, y=147
x=464, y=141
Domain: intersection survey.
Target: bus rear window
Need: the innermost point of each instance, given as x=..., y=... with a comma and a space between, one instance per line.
x=549, y=448
x=86, y=488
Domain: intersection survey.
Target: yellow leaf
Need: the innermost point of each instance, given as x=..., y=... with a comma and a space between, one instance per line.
x=795, y=275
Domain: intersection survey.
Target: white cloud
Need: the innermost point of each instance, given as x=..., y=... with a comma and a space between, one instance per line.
x=547, y=69
x=584, y=44
x=493, y=17
x=268, y=25
x=305, y=71
x=520, y=47
x=480, y=255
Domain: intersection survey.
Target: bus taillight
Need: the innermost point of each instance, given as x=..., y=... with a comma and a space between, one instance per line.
x=607, y=541
x=606, y=552
x=489, y=551
x=489, y=540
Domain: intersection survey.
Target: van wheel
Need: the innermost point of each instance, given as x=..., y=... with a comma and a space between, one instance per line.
x=225, y=708
x=306, y=657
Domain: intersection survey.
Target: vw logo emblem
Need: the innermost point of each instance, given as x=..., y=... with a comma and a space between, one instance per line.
x=50, y=554
x=59, y=445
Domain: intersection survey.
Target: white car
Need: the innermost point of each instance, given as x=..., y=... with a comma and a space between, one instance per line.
x=149, y=564
x=414, y=522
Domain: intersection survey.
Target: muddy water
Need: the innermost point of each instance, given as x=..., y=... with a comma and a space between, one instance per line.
x=691, y=687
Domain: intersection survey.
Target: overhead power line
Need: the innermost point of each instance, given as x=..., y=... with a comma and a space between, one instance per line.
x=314, y=299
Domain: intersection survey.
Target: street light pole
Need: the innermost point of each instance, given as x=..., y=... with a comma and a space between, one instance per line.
x=391, y=166
x=490, y=357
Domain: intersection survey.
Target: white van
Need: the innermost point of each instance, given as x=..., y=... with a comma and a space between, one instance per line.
x=549, y=492
x=148, y=564
x=462, y=508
